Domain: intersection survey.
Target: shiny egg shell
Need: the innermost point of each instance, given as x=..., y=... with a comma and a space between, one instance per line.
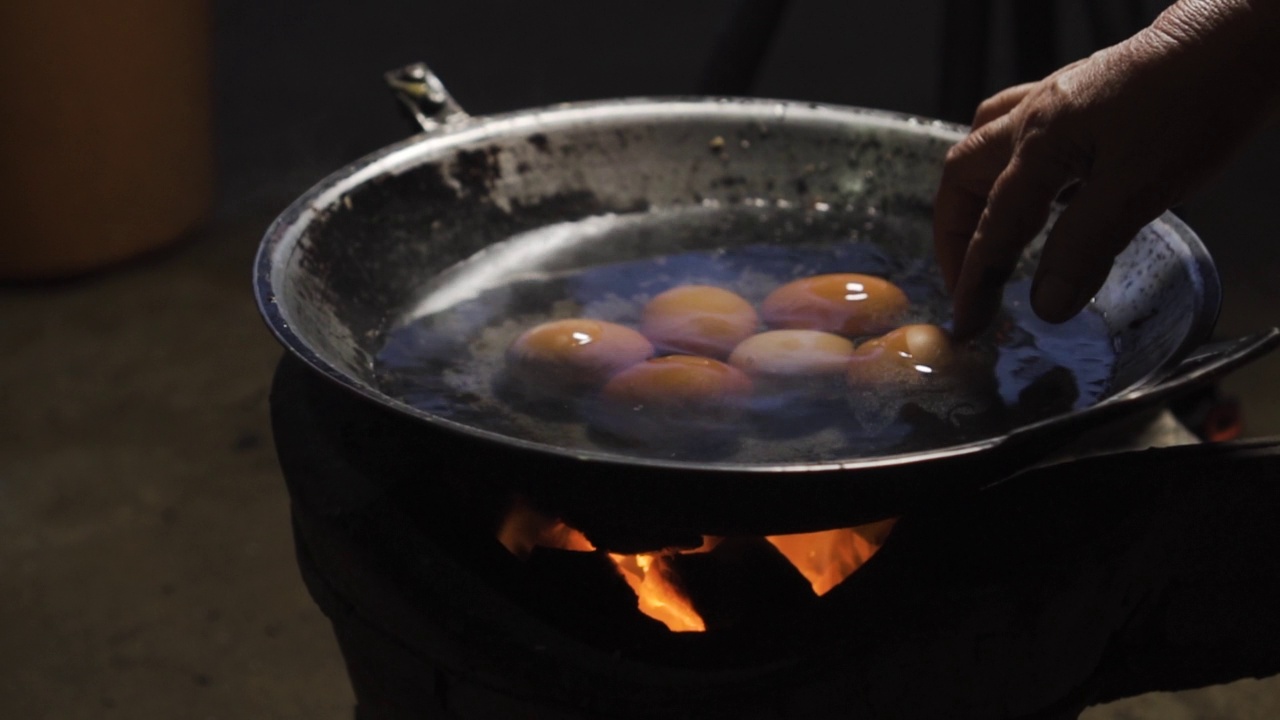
x=573, y=355
x=909, y=354
x=698, y=320
x=677, y=399
x=682, y=382
x=792, y=353
x=848, y=304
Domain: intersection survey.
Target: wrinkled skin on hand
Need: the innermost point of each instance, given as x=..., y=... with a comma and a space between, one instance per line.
x=1135, y=128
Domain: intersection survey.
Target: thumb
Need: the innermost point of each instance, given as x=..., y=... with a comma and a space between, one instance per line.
x=1100, y=222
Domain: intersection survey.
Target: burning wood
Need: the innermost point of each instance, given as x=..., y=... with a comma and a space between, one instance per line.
x=658, y=592
x=525, y=528
x=824, y=558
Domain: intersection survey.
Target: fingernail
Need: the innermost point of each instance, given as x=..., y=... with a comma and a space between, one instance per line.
x=1054, y=299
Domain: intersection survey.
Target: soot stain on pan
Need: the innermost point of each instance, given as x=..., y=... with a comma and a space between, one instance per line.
x=728, y=181
x=477, y=170
x=540, y=143
x=370, y=252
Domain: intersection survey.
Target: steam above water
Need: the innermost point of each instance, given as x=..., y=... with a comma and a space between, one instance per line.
x=449, y=359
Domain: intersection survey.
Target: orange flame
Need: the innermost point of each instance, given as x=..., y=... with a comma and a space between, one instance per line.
x=648, y=574
x=524, y=528
x=650, y=577
x=826, y=558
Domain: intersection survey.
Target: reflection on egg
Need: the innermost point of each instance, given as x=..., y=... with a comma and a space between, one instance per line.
x=698, y=320
x=565, y=356
x=792, y=354
x=678, y=398
x=908, y=354
x=844, y=303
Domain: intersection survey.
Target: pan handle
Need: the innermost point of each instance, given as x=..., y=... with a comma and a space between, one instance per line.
x=1212, y=360
x=431, y=106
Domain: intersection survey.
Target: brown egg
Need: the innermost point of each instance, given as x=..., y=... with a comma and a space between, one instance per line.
x=907, y=355
x=698, y=320
x=780, y=354
x=566, y=356
x=678, y=398
x=844, y=303
x=679, y=381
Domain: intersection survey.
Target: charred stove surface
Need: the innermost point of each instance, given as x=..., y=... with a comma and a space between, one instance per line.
x=1067, y=585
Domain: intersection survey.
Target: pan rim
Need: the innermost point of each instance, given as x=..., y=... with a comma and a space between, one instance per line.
x=282, y=236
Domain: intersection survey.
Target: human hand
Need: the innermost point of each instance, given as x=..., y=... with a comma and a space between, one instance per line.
x=1138, y=126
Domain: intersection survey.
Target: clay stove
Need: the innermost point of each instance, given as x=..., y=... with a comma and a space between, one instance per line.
x=1083, y=581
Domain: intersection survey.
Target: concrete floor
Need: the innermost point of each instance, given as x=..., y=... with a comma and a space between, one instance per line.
x=144, y=528
x=144, y=536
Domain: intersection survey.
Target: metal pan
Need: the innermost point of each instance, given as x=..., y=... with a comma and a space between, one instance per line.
x=474, y=205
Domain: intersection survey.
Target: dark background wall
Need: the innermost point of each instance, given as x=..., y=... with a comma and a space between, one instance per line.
x=299, y=84
x=299, y=88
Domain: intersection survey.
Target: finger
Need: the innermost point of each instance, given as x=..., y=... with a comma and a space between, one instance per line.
x=1017, y=210
x=971, y=169
x=1082, y=246
x=956, y=210
x=1001, y=103
x=1006, y=100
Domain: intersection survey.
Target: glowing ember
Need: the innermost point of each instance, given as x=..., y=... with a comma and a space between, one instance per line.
x=826, y=558
x=650, y=576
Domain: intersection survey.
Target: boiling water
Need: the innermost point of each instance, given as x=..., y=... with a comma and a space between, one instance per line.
x=446, y=357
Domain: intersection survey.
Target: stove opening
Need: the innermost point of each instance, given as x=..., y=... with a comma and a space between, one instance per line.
x=827, y=557
x=723, y=579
